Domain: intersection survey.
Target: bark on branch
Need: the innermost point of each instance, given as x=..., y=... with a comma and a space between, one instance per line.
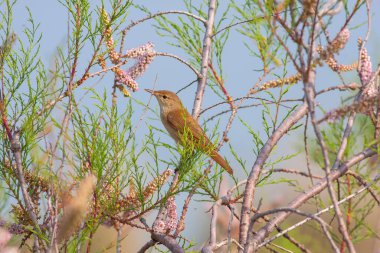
x=263, y=232
x=205, y=59
x=249, y=192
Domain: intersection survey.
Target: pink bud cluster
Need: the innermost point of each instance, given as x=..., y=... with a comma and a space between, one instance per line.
x=159, y=226
x=365, y=68
x=370, y=90
x=364, y=105
x=335, y=46
x=328, y=53
x=144, y=55
x=139, y=51
x=340, y=41
x=114, y=56
x=169, y=223
x=123, y=77
x=333, y=64
x=139, y=68
x=171, y=220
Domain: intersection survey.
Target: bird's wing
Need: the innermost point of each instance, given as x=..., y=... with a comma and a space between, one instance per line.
x=182, y=120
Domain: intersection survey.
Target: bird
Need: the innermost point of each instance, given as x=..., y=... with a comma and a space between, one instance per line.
x=177, y=120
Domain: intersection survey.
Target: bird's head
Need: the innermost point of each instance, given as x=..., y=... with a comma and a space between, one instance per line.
x=166, y=99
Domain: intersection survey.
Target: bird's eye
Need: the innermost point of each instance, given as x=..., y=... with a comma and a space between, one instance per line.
x=165, y=97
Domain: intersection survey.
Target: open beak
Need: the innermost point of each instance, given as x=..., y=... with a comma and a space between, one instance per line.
x=150, y=91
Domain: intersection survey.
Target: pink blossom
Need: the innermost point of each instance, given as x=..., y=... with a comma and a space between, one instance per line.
x=140, y=51
x=159, y=226
x=171, y=221
x=365, y=70
x=125, y=78
x=144, y=55
x=142, y=64
x=343, y=37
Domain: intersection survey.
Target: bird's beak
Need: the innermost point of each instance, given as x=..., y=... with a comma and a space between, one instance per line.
x=150, y=91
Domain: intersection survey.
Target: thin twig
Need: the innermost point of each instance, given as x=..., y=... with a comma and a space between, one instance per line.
x=351, y=86
x=186, y=86
x=230, y=227
x=291, y=171
x=16, y=150
x=181, y=222
x=224, y=200
x=362, y=182
x=263, y=232
x=236, y=24
x=287, y=236
x=353, y=195
x=286, y=209
x=199, y=75
x=150, y=16
x=222, y=243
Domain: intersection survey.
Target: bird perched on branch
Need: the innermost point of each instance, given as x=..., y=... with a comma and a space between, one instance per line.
x=179, y=123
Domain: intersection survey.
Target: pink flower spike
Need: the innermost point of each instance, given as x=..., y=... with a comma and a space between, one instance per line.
x=140, y=51
x=365, y=71
x=142, y=64
x=159, y=226
x=125, y=78
x=172, y=218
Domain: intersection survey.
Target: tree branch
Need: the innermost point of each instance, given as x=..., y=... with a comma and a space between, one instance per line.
x=320, y=212
x=249, y=191
x=205, y=59
x=263, y=232
x=168, y=241
x=290, y=210
x=182, y=61
x=146, y=246
x=16, y=150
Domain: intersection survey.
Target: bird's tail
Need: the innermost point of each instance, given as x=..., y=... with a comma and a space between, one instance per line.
x=220, y=160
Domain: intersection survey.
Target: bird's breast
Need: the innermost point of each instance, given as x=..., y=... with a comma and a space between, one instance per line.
x=171, y=130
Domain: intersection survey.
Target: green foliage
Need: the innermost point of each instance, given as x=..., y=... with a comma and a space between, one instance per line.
x=259, y=31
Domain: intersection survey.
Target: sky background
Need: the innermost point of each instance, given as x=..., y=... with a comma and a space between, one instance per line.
x=164, y=73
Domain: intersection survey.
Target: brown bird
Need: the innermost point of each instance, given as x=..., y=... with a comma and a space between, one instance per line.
x=177, y=120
